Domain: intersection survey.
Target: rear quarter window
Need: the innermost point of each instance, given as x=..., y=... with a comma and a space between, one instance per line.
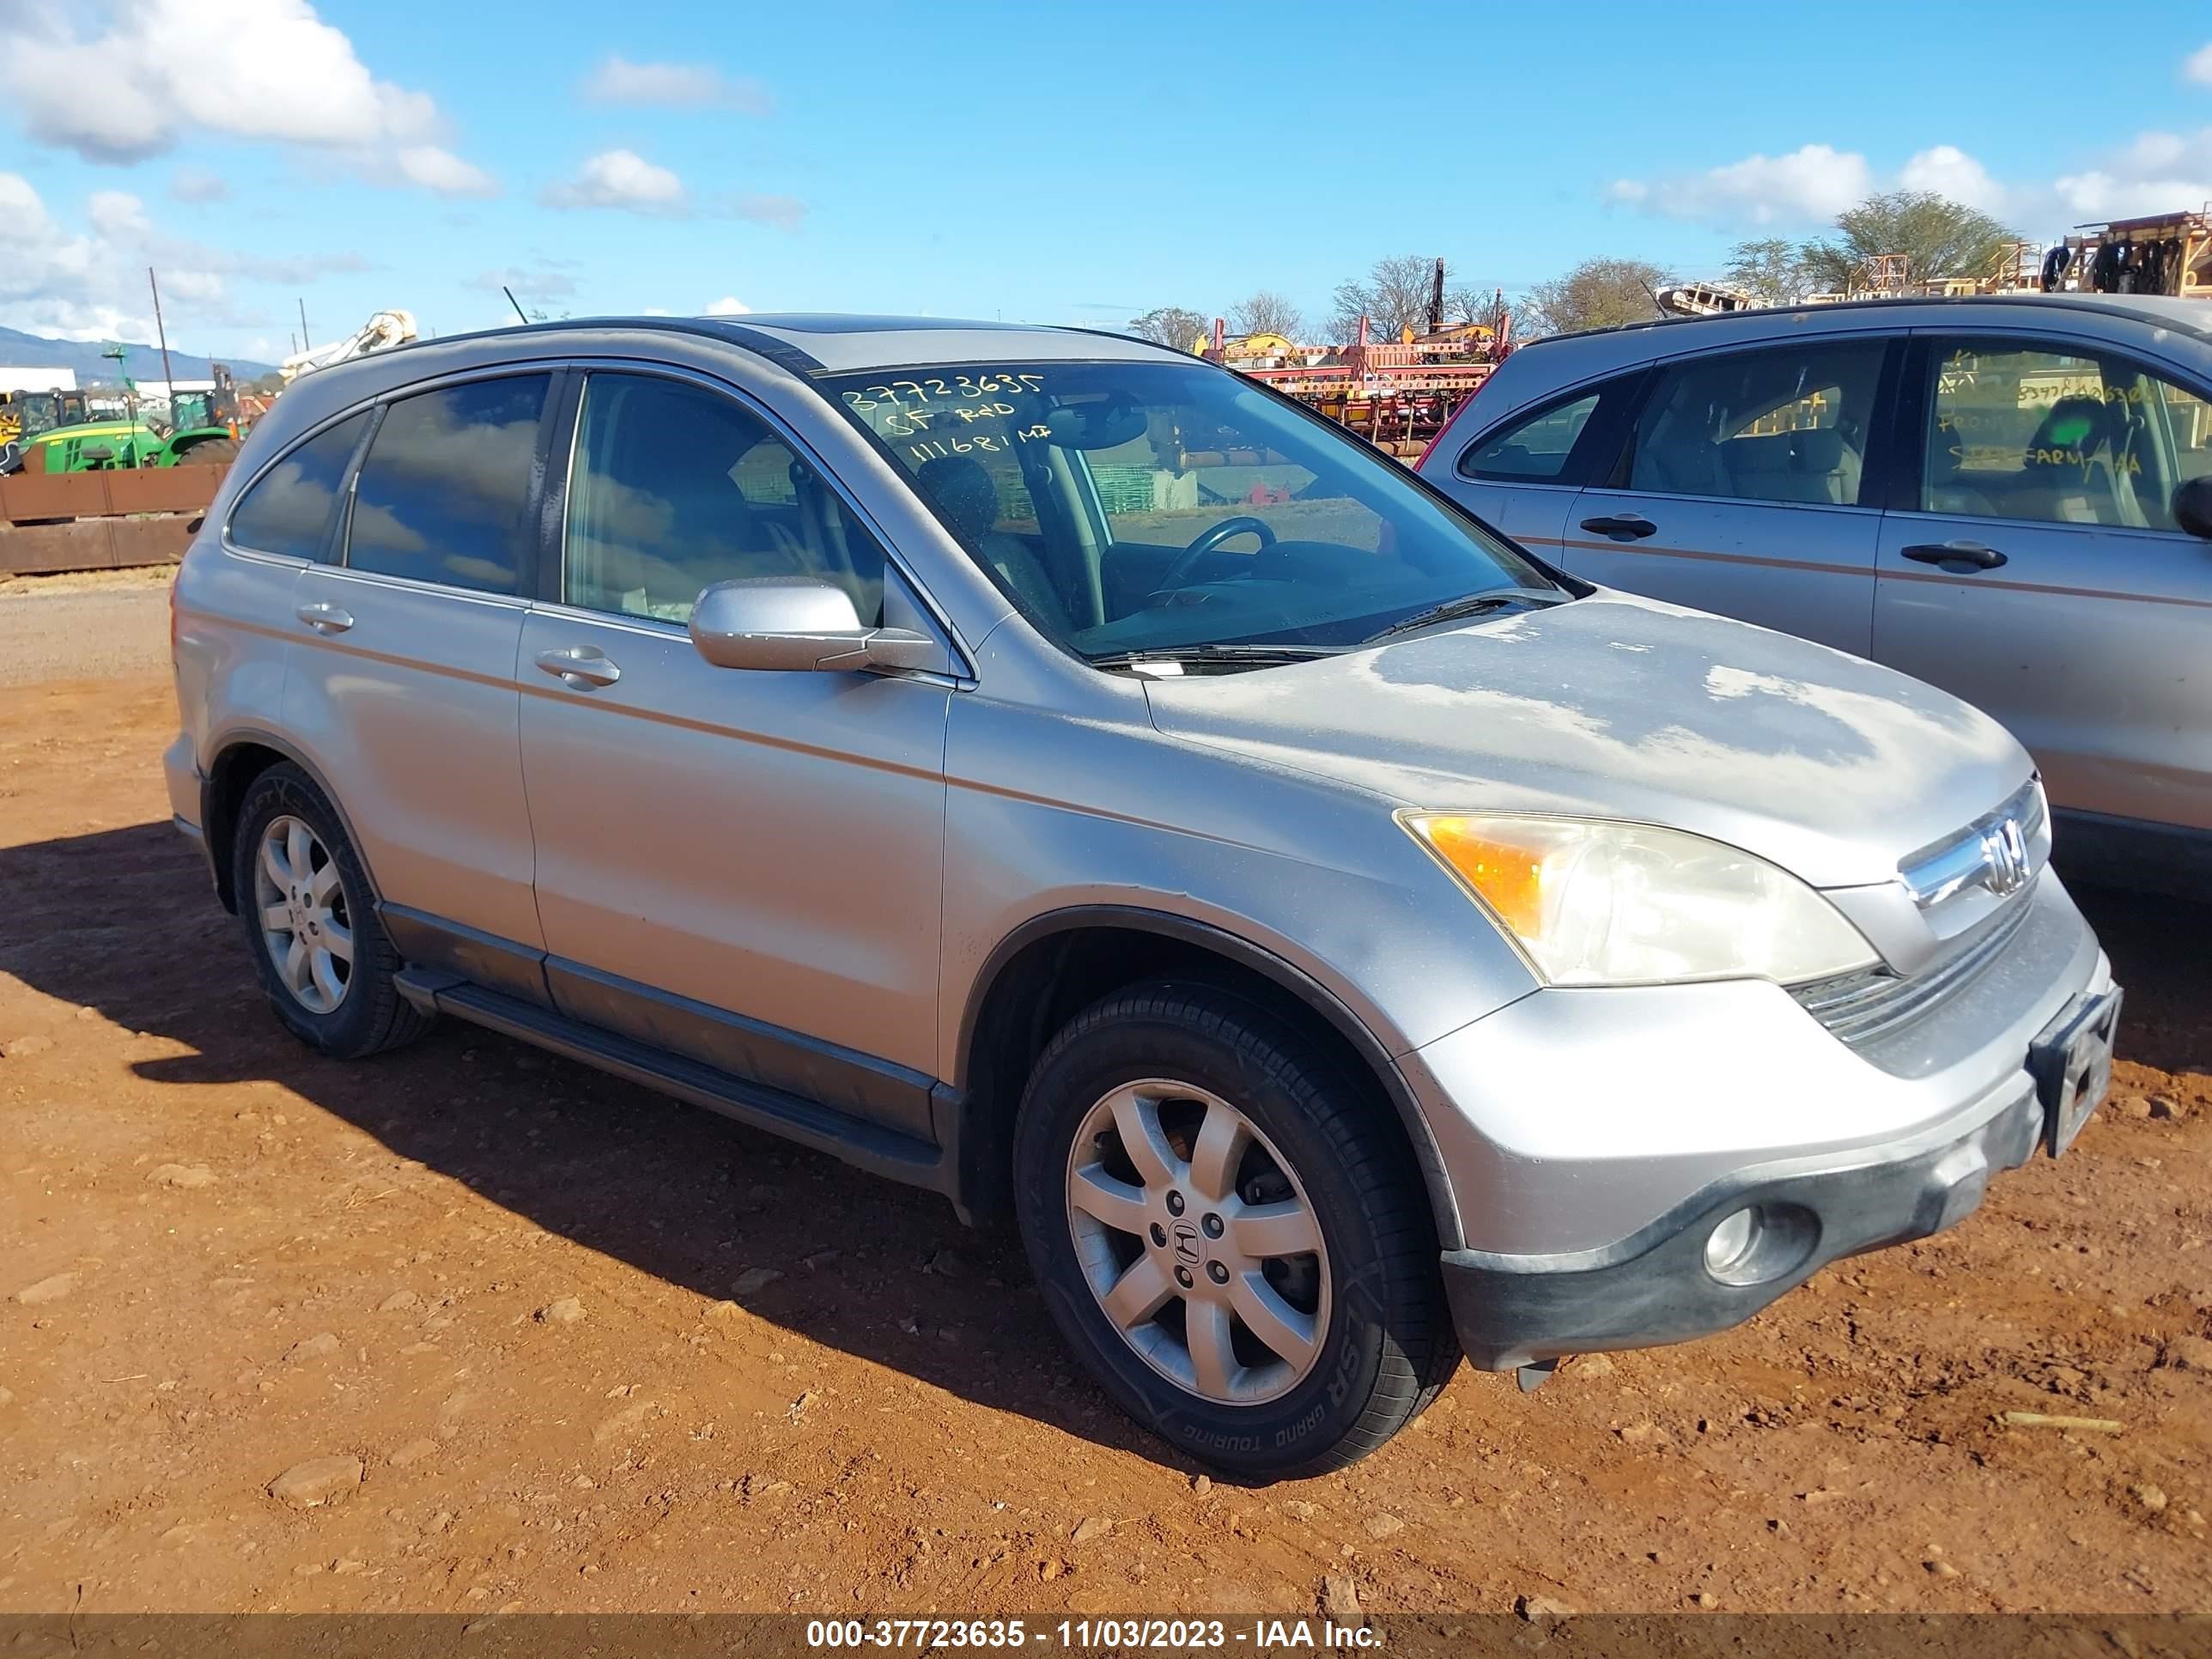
x=288, y=509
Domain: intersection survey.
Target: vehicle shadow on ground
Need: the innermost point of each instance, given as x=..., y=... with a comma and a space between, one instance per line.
x=124, y=921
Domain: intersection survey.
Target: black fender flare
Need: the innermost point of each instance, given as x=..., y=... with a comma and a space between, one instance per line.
x=1308, y=991
x=219, y=850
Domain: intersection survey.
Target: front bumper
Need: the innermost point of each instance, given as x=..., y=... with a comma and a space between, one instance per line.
x=1657, y=1287
x=1593, y=1139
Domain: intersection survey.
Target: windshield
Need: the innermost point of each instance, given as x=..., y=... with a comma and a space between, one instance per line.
x=1136, y=507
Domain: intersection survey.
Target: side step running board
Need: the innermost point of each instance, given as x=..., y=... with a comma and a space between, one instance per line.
x=866, y=1145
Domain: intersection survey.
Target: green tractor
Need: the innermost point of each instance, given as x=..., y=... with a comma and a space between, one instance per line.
x=201, y=432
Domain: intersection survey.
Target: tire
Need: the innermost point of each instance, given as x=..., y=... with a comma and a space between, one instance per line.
x=209, y=452
x=1372, y=1297
x=367, y=1015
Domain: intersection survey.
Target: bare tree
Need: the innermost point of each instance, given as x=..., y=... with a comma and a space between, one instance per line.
x=1470, y=304
x=1267, y=312
x=1596, y=293
x=1393, y=296
x=1170, y=325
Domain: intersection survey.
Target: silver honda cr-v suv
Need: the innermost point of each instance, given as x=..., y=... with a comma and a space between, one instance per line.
x=1052, y=770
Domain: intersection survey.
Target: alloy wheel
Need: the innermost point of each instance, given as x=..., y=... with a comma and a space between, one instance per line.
x=301, y=906
x=1198, y=1242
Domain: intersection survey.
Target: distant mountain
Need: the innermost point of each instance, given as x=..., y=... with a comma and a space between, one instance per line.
x=20, y=350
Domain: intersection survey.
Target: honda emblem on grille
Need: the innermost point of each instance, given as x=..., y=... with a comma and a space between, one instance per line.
x=2004, y=859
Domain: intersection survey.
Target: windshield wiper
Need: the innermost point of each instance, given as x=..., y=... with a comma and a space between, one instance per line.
x=1469, y=605
x=1256, y=654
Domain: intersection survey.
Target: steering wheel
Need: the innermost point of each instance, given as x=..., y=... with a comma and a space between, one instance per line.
x=1186, y=560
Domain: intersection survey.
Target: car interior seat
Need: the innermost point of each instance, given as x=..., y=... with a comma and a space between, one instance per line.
x=959, y=488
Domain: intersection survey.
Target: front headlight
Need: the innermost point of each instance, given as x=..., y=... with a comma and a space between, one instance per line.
x=1600, y=903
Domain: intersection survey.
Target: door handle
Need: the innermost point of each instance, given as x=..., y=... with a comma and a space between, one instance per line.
x=1958, y=557
x=326, y=618
x=1622, y=526
x=579, y=667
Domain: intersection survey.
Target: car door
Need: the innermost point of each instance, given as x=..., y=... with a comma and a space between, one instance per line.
x=1744, y=488
x=2034, y=567
x=403, y=682
x=740, y=867
x=1520, y=475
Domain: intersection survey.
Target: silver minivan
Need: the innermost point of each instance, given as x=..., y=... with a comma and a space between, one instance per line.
x=2008, y=498
x=1058, y=772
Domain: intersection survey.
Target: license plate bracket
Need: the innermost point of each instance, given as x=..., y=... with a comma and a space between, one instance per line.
x=2072, y=1065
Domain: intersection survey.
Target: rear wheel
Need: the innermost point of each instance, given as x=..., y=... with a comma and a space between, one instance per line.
x=1227, y=1236
x=324, y=962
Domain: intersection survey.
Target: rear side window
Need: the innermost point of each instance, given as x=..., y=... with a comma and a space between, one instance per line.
x=1533, y=451
x=444, y=492
x=1788, y=425
x=288, y=510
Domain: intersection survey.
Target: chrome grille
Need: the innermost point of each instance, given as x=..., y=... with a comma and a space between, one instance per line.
x=1864, y=1007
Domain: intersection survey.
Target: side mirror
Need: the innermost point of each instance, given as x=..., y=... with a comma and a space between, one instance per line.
x=801, y=623
x=98, y=454
x=2192, y=506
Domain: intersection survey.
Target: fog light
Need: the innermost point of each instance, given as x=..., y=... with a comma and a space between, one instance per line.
x=1730, y=1244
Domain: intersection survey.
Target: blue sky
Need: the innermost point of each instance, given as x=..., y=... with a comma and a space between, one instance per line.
x=1039, y=161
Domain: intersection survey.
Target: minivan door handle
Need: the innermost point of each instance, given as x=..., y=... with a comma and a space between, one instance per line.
x=1622, y=526
x=1957, y=558
x=326, y=618
x=579, y=667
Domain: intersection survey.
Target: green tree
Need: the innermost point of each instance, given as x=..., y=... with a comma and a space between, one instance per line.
x=1171, y=325
x=1771, y=271
x=1596, y=293
x=1942, y=237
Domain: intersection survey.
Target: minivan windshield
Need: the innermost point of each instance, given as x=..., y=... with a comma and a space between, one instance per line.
x=1137, y=509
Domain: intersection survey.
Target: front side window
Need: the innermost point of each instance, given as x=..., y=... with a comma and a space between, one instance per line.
x=2057, y=435
x=1152, y=505
x=1533, y=451
x=1786, y=425
x=288, y=510
x=443, y=494
x=676, y=487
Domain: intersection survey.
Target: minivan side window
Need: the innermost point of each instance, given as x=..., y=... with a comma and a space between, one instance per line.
x=674, y=488
x=288, y=509
x=443, y=493
x=2058, y=434
x=1533, y=451
x=1783, y=425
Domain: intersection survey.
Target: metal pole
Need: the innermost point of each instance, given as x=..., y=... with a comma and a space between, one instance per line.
x=161, y=333
x=303, y=336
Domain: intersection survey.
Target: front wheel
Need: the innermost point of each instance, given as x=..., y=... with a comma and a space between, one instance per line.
x=1226, y=1233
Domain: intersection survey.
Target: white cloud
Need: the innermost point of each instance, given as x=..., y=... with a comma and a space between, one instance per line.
x=619, y=178
x=693, y=85
x=2198, y=66
x=158, y=70
x=1948, y=171
x=198, y=184
x=536, y=282
x=2158, y=172
x=118, y=215
x=729, y=306
x=91, y=284
x=440, y=170
x=655, y=311
x=784, y=212
x=1814, y=182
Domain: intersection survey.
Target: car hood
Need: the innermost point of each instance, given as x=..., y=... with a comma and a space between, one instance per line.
x=1618, y=707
